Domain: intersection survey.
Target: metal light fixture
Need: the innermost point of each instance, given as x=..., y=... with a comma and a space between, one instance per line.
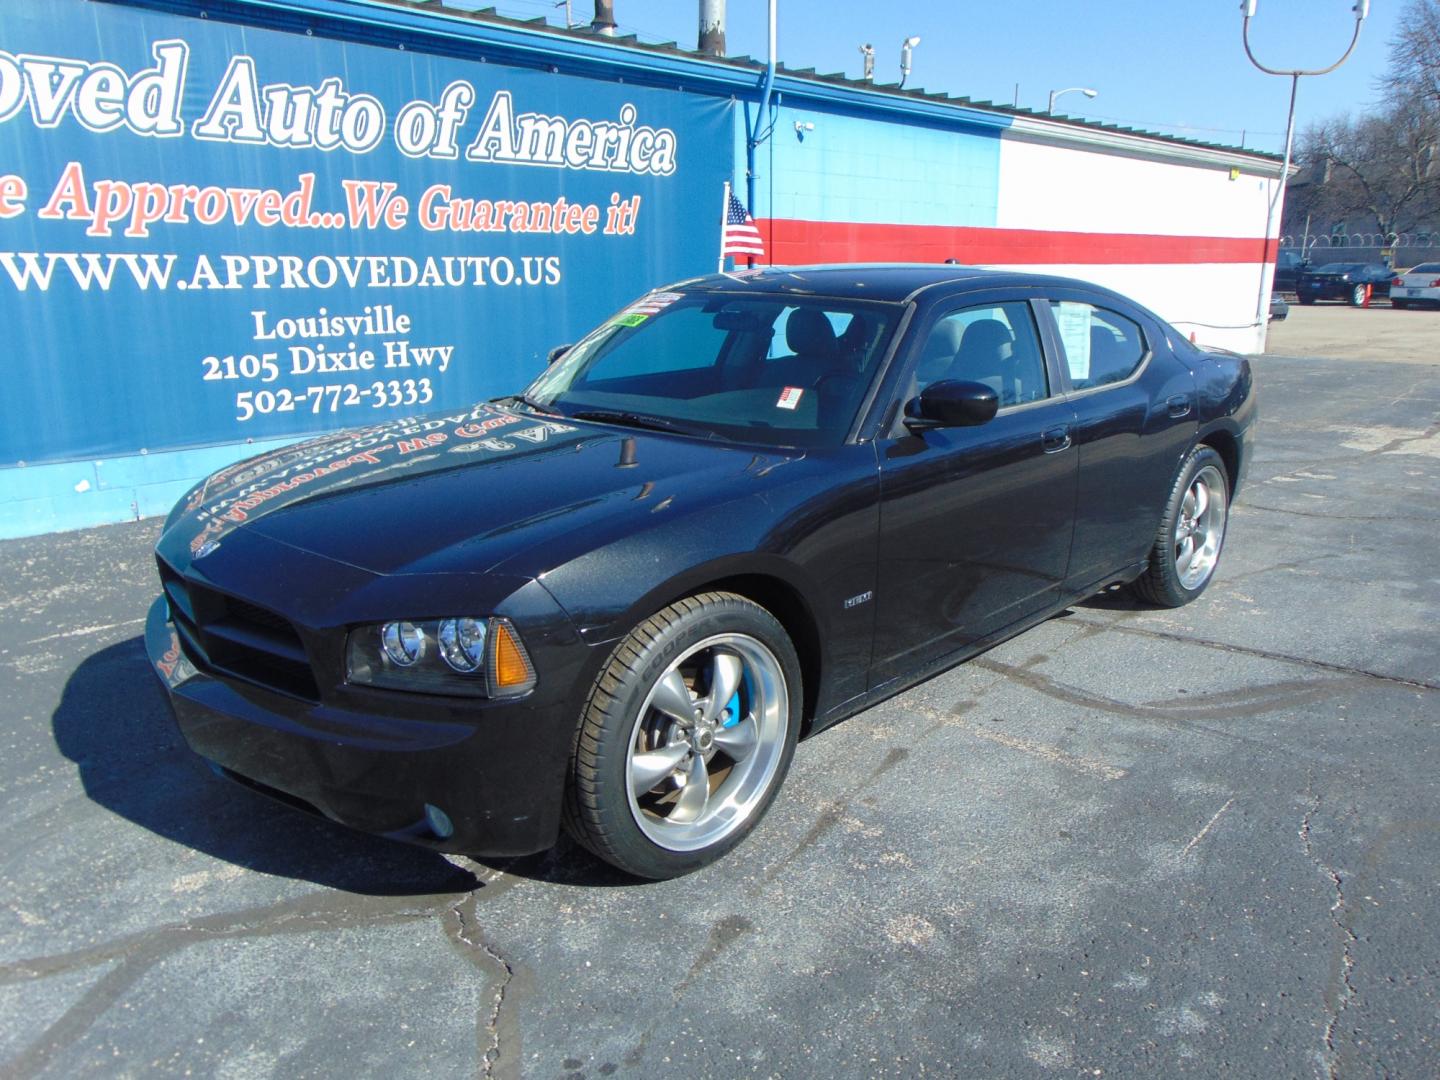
x=1361, y=9
x=868, y=52
x=1055, y=95
x=906, y=48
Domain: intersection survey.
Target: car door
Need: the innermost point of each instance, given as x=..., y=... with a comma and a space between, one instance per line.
x=1134, y=419
x=975, y=522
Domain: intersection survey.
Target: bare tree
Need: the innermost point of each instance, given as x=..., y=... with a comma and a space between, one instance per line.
x=1384, y=165
x=1415, y=54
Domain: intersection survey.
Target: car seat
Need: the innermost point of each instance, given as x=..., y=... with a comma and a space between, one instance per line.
x=986, y=355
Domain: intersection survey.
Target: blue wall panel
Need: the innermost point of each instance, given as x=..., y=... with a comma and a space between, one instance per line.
x=861, y=169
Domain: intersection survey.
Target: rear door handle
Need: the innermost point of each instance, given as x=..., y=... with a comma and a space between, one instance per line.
x=1055, y=439
x=1179, y=405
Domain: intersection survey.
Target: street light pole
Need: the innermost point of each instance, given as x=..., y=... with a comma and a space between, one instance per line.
x=1055, y=95
x=1361, y=10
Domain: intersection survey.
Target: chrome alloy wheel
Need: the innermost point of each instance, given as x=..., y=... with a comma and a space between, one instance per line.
x=1200, y=528
x=707, y=742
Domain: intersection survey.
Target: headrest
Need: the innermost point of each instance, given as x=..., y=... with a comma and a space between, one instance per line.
x=943, y=342
x=986, y=335
x=808, y=332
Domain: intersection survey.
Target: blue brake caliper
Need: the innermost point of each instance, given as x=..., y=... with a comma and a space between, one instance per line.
x=734, y=704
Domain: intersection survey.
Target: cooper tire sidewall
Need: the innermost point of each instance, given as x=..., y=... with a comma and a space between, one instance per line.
x=1198, y=459
x=638, y=850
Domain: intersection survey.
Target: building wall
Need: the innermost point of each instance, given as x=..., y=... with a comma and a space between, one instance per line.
x=1186, y=240
x=1184, y=237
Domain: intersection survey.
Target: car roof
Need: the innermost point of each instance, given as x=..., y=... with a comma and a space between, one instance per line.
x=892, y=282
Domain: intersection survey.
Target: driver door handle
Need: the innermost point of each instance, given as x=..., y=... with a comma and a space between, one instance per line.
x=1055, y=439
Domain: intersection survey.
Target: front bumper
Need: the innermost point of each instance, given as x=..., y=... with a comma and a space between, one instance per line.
x=496, y=769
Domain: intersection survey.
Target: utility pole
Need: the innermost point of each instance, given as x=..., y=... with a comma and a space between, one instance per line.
x=604, y=21
x=569, y=15
x=1247, y=7
x=712, y=27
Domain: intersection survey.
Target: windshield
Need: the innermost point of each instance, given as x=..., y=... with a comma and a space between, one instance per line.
x=778, y=371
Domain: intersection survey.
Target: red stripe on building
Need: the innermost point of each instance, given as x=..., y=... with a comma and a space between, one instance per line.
x=793, y=241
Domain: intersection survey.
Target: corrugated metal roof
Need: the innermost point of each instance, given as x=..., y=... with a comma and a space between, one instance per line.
x=672, y=50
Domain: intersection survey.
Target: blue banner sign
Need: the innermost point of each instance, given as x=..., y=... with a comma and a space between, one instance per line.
x=212, y=232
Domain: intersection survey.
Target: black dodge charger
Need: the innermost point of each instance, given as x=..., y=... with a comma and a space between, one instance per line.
x=746, y=507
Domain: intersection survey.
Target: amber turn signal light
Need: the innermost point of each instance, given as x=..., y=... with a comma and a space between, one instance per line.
x=511, y=672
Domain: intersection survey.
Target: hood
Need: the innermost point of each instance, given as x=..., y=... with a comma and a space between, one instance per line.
x=460, y=492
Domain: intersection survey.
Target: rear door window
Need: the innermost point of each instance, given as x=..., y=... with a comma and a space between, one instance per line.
x=1102, y=347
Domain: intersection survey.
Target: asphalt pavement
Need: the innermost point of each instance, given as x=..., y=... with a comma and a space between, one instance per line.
x=1198, y=842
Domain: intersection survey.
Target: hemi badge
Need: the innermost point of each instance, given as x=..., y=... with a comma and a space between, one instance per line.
x=856, y=601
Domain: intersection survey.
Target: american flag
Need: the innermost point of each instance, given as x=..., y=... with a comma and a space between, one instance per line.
x=739, y=235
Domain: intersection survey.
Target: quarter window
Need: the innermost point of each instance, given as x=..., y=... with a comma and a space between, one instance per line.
x=996, y=345
x=1101, y=346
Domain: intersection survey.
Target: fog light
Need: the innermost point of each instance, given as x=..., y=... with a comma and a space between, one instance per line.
x=439, y=822
x=462, y=644
x=404, y=642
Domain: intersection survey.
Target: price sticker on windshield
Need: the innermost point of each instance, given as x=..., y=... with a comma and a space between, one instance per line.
x=789, y=398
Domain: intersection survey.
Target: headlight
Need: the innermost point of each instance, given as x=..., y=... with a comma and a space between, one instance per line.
x=462, y=644
x=464, y=656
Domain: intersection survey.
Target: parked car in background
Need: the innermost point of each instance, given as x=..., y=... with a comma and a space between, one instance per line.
x=1344, y=281
x=747, y=506
x=1289, y=265
x=1418, y=285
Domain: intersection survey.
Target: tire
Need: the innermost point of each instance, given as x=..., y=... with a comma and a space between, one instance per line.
x=1400, y=305
x=652, y=731
x=1305, y=299
x=1164, y=583
x=1357, y=296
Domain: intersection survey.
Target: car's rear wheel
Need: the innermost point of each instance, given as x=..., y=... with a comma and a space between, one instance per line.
x=686, y=737
x=1192, y=532
x=1357, y=295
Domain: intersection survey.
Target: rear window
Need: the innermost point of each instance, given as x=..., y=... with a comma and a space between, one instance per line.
x=1340, y=268
x=1425, y=268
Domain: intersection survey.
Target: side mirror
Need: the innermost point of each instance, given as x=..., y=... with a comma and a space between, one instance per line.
x=952, y=403
x=557, y=352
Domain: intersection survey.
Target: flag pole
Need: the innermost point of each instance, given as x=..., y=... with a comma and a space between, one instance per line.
x=724, y=213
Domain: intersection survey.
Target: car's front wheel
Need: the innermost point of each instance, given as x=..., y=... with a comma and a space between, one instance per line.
x=686, y=737
x=1358, y=294
x=1192, y=532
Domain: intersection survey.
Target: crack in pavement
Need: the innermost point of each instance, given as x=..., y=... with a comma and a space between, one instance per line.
x=1263, y=654
x=137, y=953
x=1428, y=519
x=490, y=1053
x=1335, y=1002
x=1225, y=705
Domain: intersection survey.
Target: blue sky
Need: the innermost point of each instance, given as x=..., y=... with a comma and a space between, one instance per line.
x=1164, y=65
